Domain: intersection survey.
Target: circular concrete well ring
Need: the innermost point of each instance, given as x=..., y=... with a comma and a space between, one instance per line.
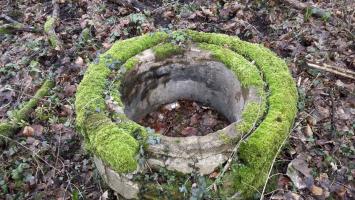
x=117, y=148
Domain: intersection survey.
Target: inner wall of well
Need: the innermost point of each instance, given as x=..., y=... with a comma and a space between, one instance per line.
x=205, y=81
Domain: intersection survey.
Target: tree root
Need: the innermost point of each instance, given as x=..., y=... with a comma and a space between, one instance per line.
x=49, y=27
x=9, y=127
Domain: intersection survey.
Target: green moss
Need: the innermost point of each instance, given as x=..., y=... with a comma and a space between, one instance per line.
x=48, y=25
x=113, y=143
x=251, y=113
x=48, y=29
x=89, y=96
x=131, y=63
x=6, y=129
x=245, y=71
x=225, y=138
x=23, y=111
x=258, y=152
x=166, y=50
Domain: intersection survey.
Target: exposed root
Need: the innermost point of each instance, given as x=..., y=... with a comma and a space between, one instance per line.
x=49, y=27
x=9, y=127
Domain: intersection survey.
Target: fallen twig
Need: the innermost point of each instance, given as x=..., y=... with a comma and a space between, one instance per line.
x=338, y=71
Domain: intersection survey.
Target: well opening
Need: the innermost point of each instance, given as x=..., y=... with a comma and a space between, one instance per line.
x=184, y=77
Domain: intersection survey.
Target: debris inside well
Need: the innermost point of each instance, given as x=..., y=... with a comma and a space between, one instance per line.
x=184, y=118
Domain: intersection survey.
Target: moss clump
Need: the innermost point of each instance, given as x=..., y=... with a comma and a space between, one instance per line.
x=24, y=110
x=166, y=50
x=48, y=25
x=113, y=143
x=48, y=29
x=252, y=111
x=245, y=71
x=6, y=129
x=131, y=63
x=258, y=152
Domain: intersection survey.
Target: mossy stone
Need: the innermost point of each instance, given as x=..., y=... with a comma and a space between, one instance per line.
x=253, y=64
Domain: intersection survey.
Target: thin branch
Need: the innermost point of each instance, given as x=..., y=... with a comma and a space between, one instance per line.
x=235, y=149
x=14, y=26
x=338, y=71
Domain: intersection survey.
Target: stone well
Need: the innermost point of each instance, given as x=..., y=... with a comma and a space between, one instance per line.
x=245, y=82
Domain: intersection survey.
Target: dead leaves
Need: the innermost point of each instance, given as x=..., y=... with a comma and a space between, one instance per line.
x=299, y=173
x=184, y=118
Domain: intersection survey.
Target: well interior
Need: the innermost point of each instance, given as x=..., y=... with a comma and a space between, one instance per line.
x=183, y=77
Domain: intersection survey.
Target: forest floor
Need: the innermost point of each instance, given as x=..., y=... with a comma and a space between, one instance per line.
x=45, y=159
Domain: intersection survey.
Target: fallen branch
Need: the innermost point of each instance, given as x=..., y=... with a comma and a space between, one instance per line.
x=338, y=71
x=14, y=26
x=49, y=27
x=309, y=9
x=9, y=127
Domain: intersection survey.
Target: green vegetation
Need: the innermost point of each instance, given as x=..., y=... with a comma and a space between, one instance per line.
x=166, y=50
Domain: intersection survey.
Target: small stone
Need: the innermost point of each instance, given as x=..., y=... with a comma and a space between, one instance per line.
x=317, y=191
x=28, y=131
x=79, y=61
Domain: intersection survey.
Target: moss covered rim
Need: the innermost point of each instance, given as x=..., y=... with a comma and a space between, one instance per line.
x=116, y=144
